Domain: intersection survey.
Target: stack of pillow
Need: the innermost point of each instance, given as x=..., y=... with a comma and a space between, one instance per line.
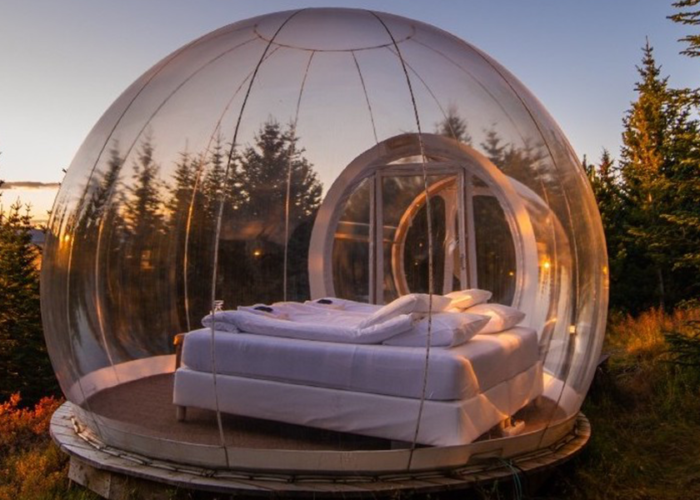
x=455, y=319
x=473, y=301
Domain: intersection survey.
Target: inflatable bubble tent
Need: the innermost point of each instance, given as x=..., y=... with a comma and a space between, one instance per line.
x=338, y=154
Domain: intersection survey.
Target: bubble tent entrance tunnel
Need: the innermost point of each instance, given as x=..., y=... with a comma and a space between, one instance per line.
x=299, y=155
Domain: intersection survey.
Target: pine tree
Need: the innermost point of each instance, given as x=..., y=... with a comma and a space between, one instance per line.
x=214, y=182
x=252, y=247
x=511, y=158
x=139, y=256
x=659, y=166
x=24, y=361
x=103, y=187
x=642, y=165
x=692, y=18
x=143, y=213
x=263, y=189
x=606, y=181
x=493, y=147
x=682, y=217
x=454, y=126
x=178, y=206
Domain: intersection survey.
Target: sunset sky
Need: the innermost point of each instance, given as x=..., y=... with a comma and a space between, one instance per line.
x=63, y=63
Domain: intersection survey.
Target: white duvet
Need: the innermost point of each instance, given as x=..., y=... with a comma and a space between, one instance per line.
x=400, y=323
x=338, y=327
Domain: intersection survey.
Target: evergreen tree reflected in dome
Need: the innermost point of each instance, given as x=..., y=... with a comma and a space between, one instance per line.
x=336, y=154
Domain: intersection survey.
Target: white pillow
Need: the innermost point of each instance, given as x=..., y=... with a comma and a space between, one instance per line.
x=448, y=330
x=408, y=304
x=464, y=299
x=501, y=317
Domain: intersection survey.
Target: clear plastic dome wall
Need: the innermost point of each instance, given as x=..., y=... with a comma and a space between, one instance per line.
x=307, y=154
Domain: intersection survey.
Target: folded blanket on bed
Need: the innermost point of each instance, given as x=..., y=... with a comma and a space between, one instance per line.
x=222, y=321
x=342, y=327
x=334, y=310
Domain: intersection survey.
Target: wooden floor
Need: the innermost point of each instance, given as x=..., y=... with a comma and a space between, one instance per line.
x=145, y=406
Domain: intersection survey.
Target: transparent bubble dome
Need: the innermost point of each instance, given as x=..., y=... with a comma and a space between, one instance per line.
x=307, y=154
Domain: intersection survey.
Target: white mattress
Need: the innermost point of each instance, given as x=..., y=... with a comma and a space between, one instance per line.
x=454, y=374
x=444, y=423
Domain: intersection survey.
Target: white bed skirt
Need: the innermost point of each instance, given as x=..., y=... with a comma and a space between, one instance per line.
x=444, y=423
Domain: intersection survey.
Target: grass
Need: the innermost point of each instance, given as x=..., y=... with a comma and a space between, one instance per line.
x=644, y=410
x=645, y=415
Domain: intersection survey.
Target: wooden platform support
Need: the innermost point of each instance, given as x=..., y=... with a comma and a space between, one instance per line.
x=117, y=475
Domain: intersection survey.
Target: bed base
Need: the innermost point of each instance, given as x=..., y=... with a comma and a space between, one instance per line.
x=444, y=423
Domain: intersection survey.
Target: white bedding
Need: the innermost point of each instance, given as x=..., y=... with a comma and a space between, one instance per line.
x=454, y=374
x=401, y=323
x=341, y=328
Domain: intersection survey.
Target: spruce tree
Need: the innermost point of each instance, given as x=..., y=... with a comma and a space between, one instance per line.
x=606, y=182
x=140, y=257
x=214, y=181
x=493, y=147
x=143, y=211
x=253, y=238
x=24, y=361
x=103, y=187
x=659, y=166
x=512, y=158
x=682, y=217
x=691, y=18
x=642, y=165
x=454, y=126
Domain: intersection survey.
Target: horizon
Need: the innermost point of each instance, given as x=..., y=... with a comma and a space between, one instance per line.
x=39, y=199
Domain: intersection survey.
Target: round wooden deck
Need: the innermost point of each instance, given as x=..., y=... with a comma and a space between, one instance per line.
x=145, y=406
x=115, y=474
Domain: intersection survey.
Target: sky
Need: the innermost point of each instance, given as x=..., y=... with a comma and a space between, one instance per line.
x=62, y=63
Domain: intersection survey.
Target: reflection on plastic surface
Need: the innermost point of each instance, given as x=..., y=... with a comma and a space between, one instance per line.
x=321, y=193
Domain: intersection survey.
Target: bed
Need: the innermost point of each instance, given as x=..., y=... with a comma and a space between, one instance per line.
x=367, y=389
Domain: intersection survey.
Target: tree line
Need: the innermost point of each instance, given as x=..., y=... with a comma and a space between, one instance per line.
x=136, y=255
x=649, y=201
x=24, y=362
x=144, y=242
x=649, y=198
